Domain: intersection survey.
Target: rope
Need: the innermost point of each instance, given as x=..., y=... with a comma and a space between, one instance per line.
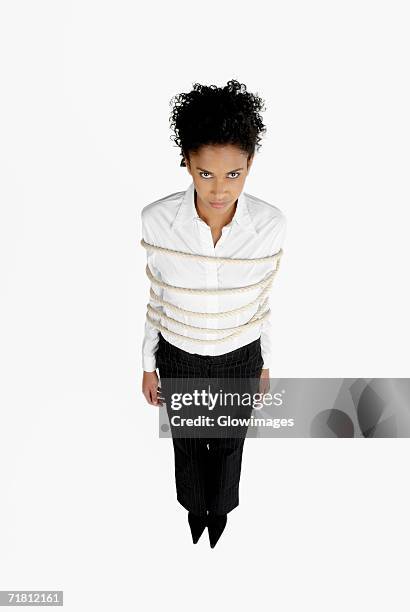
x=267, y=280
x=206, y=315
x=239, y=328
x=211, y=258
x=261, y=300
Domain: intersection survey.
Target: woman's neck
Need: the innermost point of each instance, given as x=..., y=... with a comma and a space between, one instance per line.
x=214, y=221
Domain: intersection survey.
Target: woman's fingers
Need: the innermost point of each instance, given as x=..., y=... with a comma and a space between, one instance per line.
x=156, y=396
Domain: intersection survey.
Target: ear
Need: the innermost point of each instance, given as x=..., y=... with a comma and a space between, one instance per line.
x=250, y=161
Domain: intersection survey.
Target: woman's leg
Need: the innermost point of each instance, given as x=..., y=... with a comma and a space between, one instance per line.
x=181, y=372
x=241, y=370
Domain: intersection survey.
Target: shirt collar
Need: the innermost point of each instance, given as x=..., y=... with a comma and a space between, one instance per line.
x=187, y=212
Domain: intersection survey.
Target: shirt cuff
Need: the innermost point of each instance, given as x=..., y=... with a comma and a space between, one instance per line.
x=149, y=363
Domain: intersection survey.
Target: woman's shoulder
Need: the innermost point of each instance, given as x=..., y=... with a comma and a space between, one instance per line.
x=265, y=213
x=161, y=205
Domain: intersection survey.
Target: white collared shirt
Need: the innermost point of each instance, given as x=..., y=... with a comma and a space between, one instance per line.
x=257, y=229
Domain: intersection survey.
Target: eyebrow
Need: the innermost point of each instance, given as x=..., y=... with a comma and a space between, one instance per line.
x=203, y=170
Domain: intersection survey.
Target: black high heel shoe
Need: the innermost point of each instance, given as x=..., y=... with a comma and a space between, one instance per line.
x=216, y=525
x=197, y=525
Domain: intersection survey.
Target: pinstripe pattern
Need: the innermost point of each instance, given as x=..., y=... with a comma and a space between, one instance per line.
x=207, y=470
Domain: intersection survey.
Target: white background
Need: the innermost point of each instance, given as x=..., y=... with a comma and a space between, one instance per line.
x=87, y=499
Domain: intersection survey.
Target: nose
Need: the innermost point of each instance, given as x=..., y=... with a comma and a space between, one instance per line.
x=218, y=194
x=219, y=184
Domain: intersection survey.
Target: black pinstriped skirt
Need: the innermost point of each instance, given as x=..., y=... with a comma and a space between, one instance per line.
x=207, y=469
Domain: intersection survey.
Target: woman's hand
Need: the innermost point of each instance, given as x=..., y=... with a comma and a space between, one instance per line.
x=151, y=388
x=264, y=383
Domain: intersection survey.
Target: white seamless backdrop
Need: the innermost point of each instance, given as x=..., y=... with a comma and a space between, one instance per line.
x=87, y=501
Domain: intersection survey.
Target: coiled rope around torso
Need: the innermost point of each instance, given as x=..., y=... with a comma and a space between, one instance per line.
x=261, y=299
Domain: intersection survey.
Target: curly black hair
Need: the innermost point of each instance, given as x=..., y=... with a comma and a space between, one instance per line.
x=217, y=115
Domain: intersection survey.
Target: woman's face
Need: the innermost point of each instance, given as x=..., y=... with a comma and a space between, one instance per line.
x=219, y=173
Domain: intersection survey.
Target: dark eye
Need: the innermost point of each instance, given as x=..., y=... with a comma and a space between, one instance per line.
x=238, y=173
x=202, y=173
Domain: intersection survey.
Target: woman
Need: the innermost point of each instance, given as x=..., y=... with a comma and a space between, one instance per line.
x=212, y=252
